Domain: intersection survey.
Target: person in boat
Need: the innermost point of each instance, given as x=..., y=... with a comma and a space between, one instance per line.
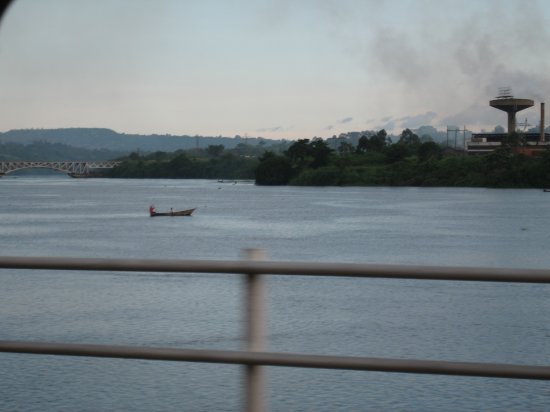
x=151, y=210
x=171, y=211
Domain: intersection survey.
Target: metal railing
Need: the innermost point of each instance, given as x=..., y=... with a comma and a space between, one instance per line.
x=254, y=358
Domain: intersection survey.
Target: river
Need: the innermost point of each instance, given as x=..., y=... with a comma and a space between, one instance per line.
x=459, y=321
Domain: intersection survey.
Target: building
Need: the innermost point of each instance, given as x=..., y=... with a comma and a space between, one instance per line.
x=482, y=143
x=529, y=143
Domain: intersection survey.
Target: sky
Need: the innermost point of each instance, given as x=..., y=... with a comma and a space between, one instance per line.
x=280, y=69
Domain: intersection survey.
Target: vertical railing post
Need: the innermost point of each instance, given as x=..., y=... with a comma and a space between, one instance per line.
x=255, y=324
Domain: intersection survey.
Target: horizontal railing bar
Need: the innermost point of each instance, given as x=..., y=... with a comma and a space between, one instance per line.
x=281, y=268
x=491, y=370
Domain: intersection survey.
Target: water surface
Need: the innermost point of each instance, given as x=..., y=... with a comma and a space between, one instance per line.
x=57, y=216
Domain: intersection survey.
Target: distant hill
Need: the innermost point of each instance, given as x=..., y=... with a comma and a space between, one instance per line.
x=97, y=138
x=44, y=151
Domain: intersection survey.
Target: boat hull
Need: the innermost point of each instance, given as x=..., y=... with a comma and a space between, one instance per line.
x=187, y=212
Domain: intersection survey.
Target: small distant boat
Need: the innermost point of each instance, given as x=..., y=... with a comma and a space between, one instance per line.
x=546, y=190
x=187, y=212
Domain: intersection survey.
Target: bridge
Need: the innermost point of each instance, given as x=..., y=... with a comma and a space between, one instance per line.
x=73, y=169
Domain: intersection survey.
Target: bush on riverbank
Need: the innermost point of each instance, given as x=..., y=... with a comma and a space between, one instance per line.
x=404, y=164
x=180, y=165
x=373, y=162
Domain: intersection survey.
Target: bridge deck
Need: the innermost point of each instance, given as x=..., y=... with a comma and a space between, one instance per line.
x=72, y=168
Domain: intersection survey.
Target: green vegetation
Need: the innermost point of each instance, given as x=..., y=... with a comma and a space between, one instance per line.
x=213, y=162
x=408, y=162
x=369, y=159
x=44, y=151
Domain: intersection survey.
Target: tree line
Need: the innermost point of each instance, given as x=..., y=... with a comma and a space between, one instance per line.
x=373, y=161
x=411, y=161
x=214, y=162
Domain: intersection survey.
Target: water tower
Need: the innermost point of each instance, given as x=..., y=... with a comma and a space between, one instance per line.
x=505, y=101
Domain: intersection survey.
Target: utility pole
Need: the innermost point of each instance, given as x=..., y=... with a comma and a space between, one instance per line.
x=456, y=132
x=464, y=140
x=453, y=129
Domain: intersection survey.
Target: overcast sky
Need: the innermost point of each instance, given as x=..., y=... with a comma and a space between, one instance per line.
x=272, y=68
